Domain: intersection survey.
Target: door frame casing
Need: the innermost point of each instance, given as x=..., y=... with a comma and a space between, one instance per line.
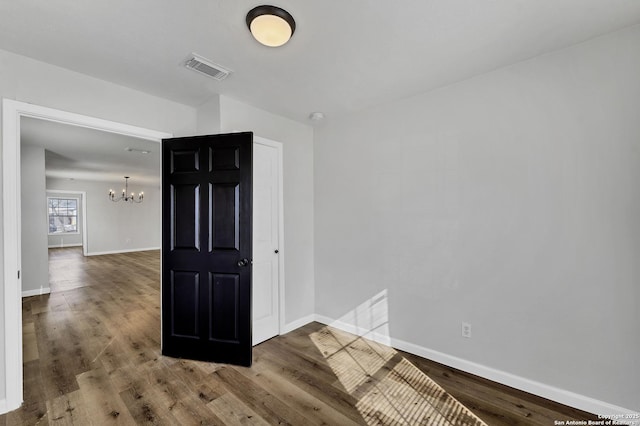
x=12, y=111
x=281, y=252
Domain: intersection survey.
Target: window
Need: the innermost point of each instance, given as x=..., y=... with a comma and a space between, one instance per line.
x=63, y=215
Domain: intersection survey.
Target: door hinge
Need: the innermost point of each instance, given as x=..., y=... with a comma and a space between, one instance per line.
x=18, y=274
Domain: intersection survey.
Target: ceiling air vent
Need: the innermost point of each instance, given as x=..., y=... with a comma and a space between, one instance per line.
x=206, y=67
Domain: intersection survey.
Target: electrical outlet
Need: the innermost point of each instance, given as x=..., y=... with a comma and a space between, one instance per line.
x=466, y=330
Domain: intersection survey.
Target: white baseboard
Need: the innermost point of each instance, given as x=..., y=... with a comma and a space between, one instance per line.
x=100, y=253
x=562, y=396
x=36, y=292
x=7, y=406
x=358, y=331
x=553, y=393
x=65, y=245
x=297, y=323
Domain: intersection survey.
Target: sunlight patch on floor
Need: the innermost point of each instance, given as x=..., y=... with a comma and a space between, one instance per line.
x=389, y=389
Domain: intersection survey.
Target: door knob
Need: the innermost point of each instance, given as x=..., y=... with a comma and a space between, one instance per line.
x=243, y=262
x=276, y=251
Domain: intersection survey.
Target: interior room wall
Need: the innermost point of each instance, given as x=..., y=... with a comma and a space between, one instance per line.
x=35, y=269
x=117, y=227
x=27, y=80
x=208, y=117
x=297, y=140
x=70, y=239
x=509, y=201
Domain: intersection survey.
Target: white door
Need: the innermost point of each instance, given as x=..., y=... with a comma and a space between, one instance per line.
x=266, y=237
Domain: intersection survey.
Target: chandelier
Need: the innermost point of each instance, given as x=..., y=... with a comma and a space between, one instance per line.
x=125, y=197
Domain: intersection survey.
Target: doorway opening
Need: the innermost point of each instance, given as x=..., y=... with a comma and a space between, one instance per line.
x=12, y=113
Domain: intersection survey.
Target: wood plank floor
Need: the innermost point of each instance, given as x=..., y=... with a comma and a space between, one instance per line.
x=92, y=356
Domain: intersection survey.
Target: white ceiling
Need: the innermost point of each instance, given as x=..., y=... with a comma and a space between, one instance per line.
x=344, y=56
x=73, y=152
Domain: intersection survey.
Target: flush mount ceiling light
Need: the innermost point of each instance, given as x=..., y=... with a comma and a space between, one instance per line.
x=271, y=25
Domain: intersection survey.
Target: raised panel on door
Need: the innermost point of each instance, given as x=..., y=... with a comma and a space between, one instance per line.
x=185, y=300
x=184, y=160
x=185, y=214
x=224, y=158
x=225, y=218
x=224, y=307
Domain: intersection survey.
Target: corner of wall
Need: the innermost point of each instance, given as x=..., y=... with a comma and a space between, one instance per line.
x=297, y=142
x=208, y=117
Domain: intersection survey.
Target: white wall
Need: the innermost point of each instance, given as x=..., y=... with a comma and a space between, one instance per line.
x=117, y=227
x=35, y=268
x=208, y=117
x=509, y=201
x=67, y=239
x=27, y=80
x=297, y=140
